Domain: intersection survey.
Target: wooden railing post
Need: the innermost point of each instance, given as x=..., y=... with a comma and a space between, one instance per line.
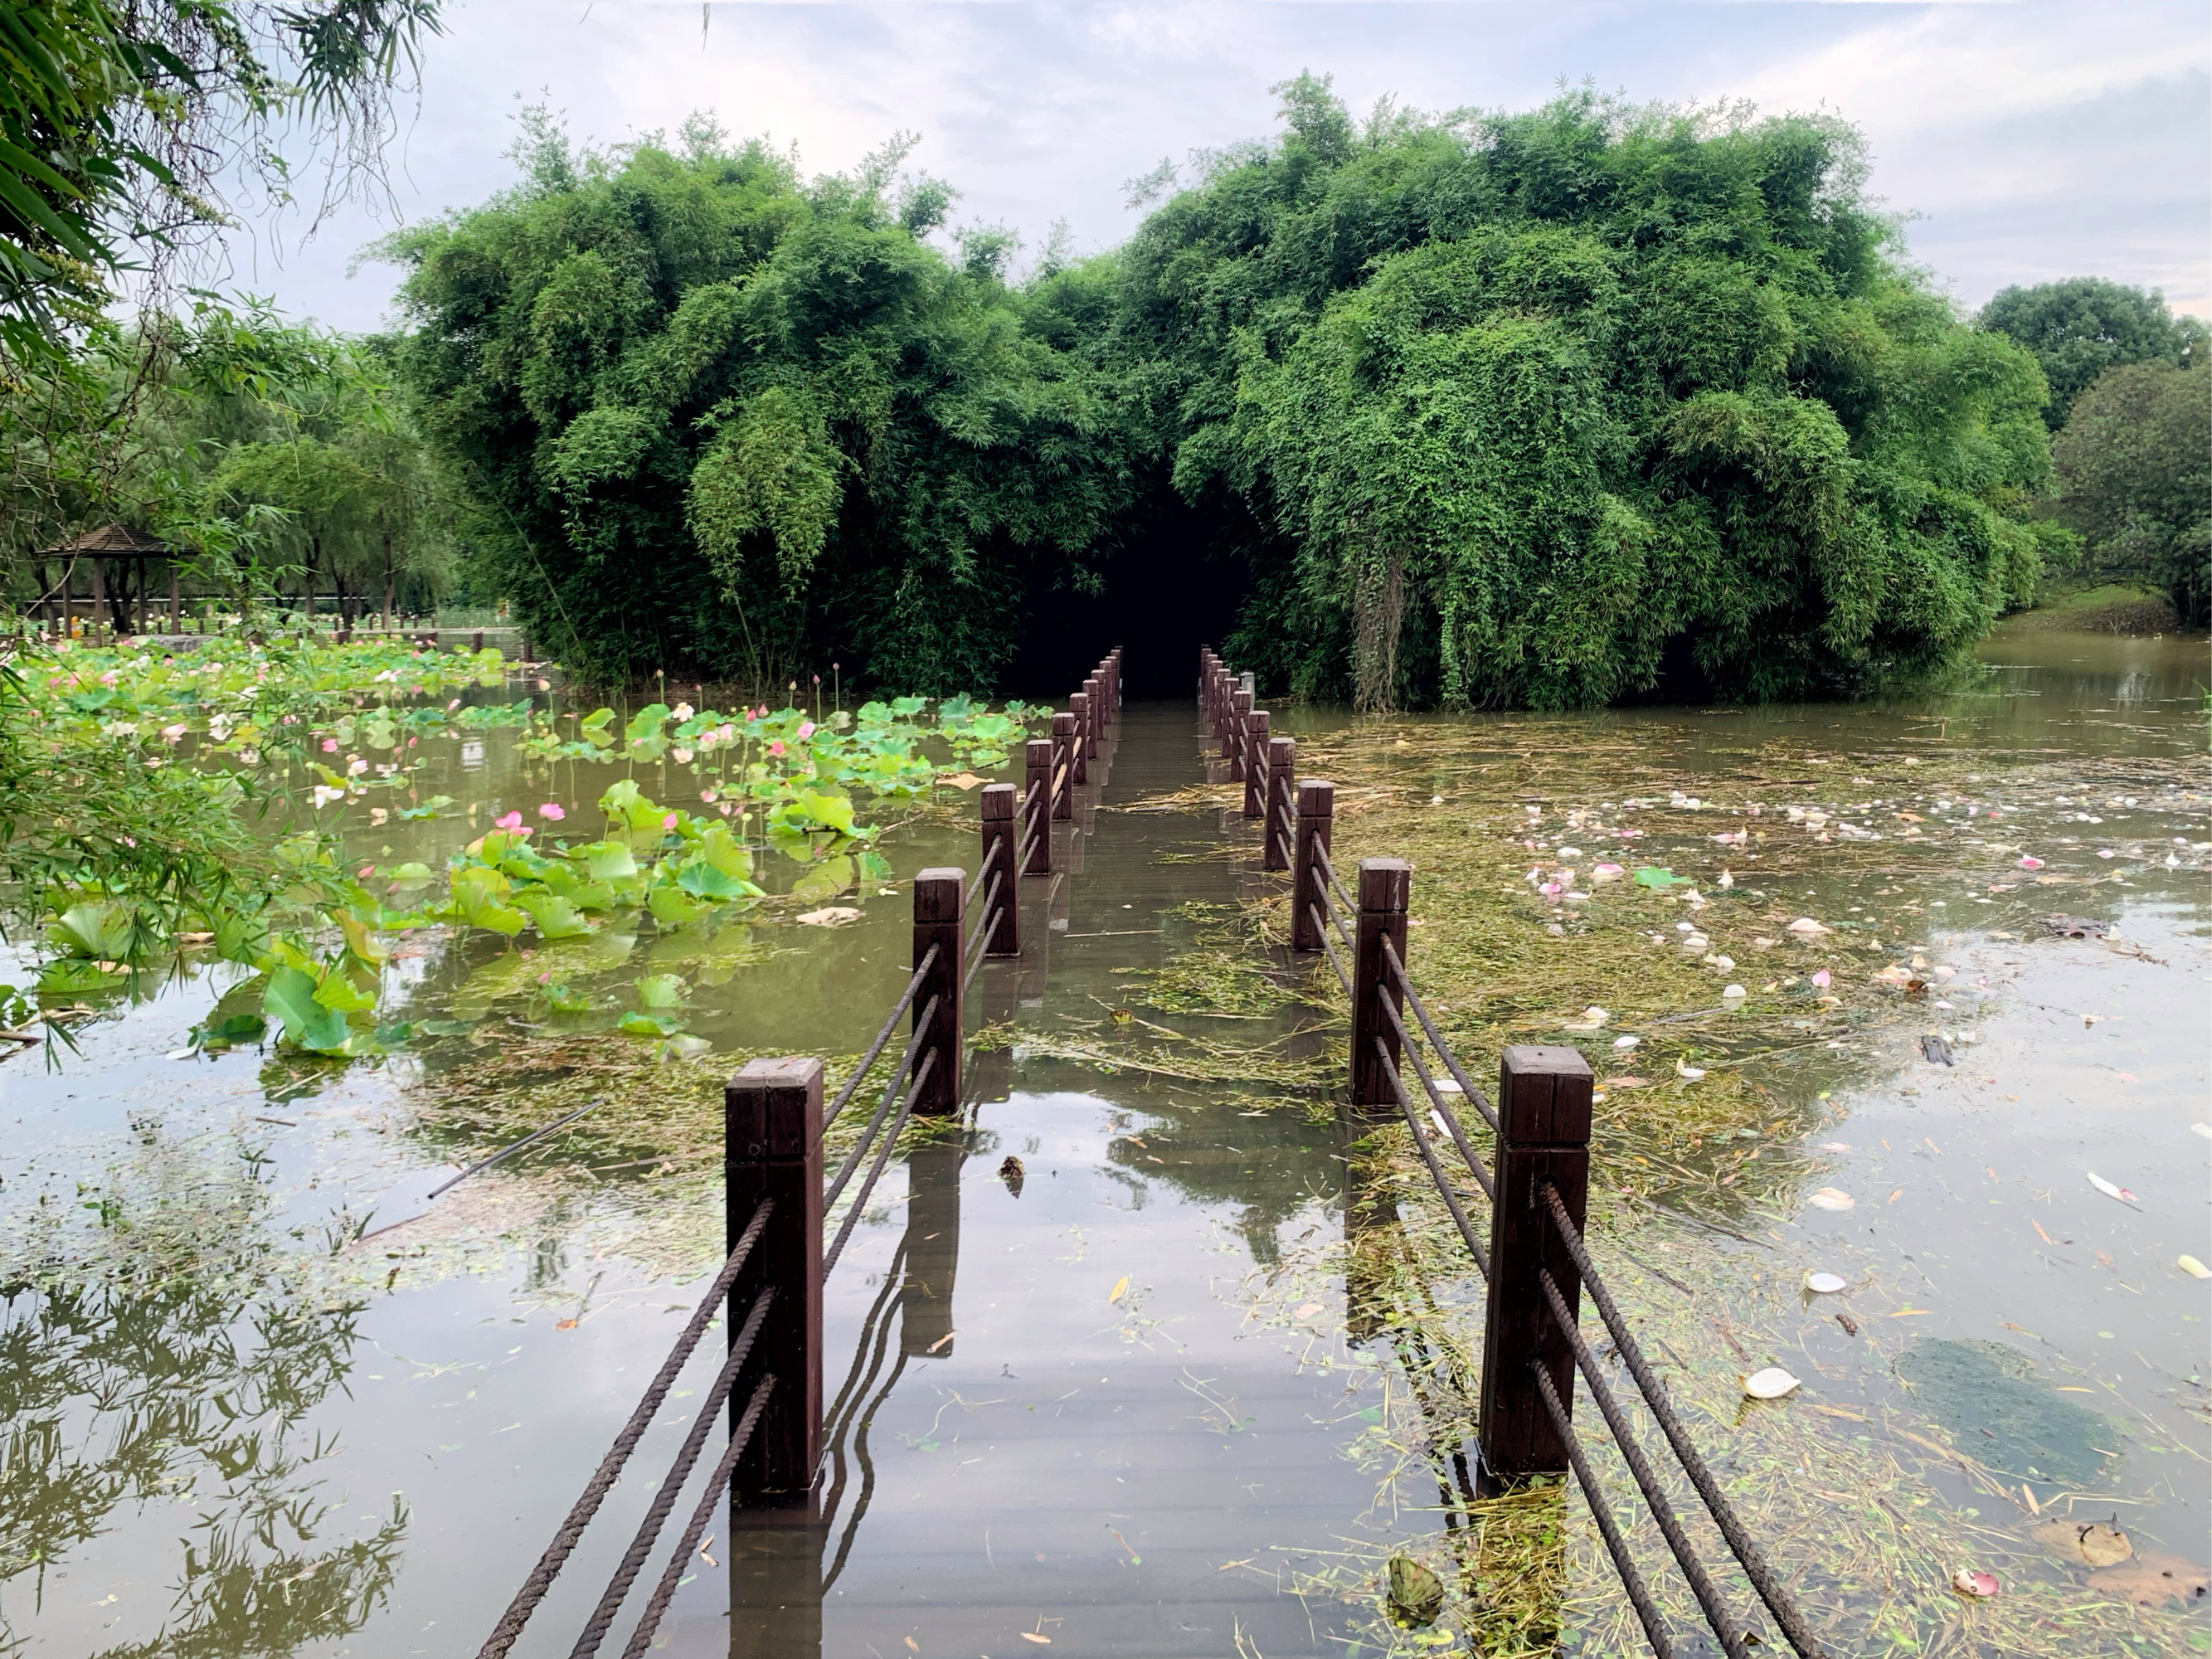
x=1256, y=763
x=1063, y=767
x=1543, y=1135
x=1078, y=738
x=1036, y=796
x=1001, y=836
x=1281, y=820
x=772, y=1124
x=1221, y=688
x=1316, y=809
x=1232, y=745
x=940, y=908
x=1094, y=703
x=1385, y=886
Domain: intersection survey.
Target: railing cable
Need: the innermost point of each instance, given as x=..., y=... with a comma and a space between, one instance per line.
x=1429, y=1156
x=603, y=1479
x=1322, y=933
x=1391, y=964
x=883, y=1156
x=665, y=1592
x=890, y=1089
x=1655, y=1496
x=1754, y=1566
x=1639, y=1596
x=671, y=1485
x=1444, y=1112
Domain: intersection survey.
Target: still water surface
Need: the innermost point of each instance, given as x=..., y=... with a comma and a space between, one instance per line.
x=251, y=1462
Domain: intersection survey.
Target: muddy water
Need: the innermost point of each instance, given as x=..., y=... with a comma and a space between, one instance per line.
x=266, y=1455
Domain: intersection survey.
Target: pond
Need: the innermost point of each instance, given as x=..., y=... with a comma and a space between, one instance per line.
x=1141, y=1391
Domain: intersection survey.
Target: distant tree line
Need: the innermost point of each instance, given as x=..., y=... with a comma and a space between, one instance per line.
x=2131, y=414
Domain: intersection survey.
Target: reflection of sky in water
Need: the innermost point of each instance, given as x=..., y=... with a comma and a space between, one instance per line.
x=270, y=1470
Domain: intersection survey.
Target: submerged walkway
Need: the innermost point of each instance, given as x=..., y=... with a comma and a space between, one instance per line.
x=1057, y=1416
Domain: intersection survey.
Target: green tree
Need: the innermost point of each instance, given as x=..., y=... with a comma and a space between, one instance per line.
x=2135, y=477
x=2082, y=326
x=728, y=420
x=119, y=120
x=1555, y=408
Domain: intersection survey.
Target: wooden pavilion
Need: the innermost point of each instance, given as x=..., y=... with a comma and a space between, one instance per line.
x=133, y=552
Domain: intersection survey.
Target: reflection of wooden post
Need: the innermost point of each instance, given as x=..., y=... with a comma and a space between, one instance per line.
x=1316, y=807
x=938, y=913
x=1383, y=891
x=775, y=1591
x=1255, y=762
x=996, y=803
x=1063, y=766
x=772, y=1117
x=1281, y=816
x=1543, y=1136
x=932, y=1250
x=1037, y=800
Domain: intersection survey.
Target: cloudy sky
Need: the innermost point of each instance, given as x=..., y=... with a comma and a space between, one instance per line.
x=2027, y=141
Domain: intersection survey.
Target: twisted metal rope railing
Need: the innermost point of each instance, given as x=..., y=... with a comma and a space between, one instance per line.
x=1731, y=1632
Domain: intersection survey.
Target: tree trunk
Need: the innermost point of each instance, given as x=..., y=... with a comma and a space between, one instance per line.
x=1379, y=607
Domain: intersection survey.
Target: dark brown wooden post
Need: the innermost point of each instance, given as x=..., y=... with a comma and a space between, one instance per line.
x=1037, y=797
x=1543, y=1135
x=1094, y=704
x=1256, y=763
x=1063, y=767
x=476, y=641
x=1316, y=812
x=1281, y=818
x=1001, y=833
x=1078, y=736
x=772, y=1119
x=939, y=907
x=176, y=601
x=1222, y=684
x=1385, y=886
x=1232, y=746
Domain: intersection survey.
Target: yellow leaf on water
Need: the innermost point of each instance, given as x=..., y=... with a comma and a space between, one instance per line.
x=1120, y=1289
x=1307, y=1311
x=2192, y=1267
x=565, y=1325
x=1031, y=1636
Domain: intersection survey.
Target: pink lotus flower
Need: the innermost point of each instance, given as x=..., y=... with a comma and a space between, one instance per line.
x=512, y=821
x=551, y=812
x=723, y=808
x=1551, y=890
x=707, y=795
x=805, y=730
x=1824, y=979
x=451, y=706
x=2028, y=861
x=330, y=746
x=172, y=732
x=366, y=870
x=669, y=822
x=777, y=748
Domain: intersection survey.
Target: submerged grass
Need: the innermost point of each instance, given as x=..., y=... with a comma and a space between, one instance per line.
x=1864, y=1510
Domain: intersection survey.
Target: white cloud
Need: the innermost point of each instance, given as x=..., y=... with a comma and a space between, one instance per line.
x=2036, y=140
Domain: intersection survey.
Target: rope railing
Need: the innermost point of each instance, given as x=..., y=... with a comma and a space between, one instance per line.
x=860, y=1148
x=603, y=1480
x=985, y=917
x=1632, y=1580
x=1778, y=1599
x=920, y=1076
x=1436, y=1169
x=603, y=1615
x=835, y=1108
x=680, y=1556
x=1535, y=1185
